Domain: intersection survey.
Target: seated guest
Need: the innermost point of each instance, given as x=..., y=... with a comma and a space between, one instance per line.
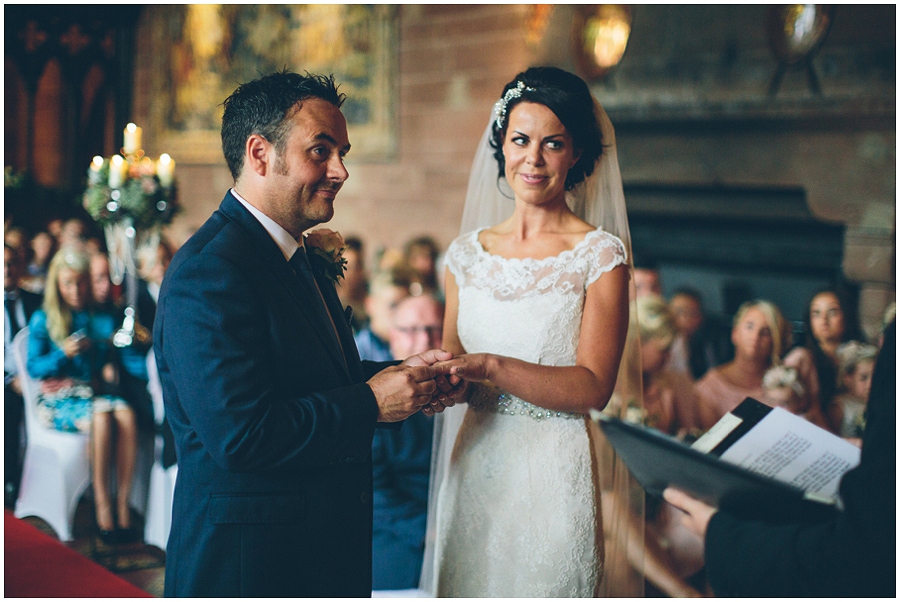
x=74, y=233
x=387, y=288
x=702, y=342
x=401, y=460
x=421, y=254
x=19, y=306
x=831, y=322
x=17, y=238
x=152, y=265
x=674, y=554
x=131, y=359
x=657, y=330
x=760, y=335
x=54, y=227
x=69, y=351
x=101, y=284
x=856, y=363
x=353, y=288
x=646, y=279
x=43, y=247
x=851, y=553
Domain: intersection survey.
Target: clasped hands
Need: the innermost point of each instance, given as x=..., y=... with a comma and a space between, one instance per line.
x=428, y=382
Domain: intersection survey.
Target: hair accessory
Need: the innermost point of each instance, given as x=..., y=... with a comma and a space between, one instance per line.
x=500, y=105
x=600, y=201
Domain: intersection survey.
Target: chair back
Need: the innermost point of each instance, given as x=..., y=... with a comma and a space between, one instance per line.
x=30, y=386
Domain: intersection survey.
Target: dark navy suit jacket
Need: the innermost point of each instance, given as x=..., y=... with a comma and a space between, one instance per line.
x=272, y=427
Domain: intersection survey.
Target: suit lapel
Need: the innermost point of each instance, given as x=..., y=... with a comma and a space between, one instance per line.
x=304, y=296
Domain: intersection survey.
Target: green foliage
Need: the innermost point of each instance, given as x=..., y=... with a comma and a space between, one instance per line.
x=140, y=197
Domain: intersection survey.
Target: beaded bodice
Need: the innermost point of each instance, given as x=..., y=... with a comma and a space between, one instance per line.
x=529, y=309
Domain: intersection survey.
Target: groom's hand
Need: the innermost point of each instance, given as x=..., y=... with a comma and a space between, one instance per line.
x=427, y=358
x=403, y=390
x=449, y=388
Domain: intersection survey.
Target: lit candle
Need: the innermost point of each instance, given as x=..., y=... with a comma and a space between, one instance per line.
x=132, y=139
x=117, y=167
x=94, y=173
x=165, y=169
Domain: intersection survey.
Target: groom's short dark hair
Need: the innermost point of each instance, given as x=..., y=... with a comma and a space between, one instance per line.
x=263, y=107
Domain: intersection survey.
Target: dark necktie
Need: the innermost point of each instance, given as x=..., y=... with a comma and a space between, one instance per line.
x=300, y=262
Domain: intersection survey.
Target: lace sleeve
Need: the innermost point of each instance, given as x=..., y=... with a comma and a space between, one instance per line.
x=604, y=252
x=460, y=255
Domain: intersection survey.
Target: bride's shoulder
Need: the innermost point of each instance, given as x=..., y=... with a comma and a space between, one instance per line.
x=462, y=252
x=464, y=242
x=600, y=252
x=601, y=241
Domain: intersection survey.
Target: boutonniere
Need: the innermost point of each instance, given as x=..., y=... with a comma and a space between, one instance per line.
x=326, y=247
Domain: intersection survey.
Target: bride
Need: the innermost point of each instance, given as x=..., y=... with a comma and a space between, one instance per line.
x=526, y=492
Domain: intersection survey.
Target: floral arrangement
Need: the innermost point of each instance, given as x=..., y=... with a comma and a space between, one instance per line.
x=326, y=247
x=133, y=190
x=781, y=377
x=131, y=197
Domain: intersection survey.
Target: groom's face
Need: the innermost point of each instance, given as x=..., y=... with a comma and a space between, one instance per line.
x=309, y=171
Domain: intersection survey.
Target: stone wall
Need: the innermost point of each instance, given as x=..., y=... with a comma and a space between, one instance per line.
x=691, y=105
x=453, y=63
x=689, y=102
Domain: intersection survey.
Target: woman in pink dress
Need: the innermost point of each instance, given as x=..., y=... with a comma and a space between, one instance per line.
x=761, y=337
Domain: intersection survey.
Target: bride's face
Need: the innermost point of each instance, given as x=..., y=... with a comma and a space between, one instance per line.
x=539, y=153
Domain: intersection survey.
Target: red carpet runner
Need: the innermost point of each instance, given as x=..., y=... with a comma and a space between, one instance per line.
x=37, y=565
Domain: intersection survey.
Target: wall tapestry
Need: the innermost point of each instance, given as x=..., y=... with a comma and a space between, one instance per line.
x=204, y=51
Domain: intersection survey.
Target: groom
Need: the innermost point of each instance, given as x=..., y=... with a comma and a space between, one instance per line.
x=272, y=411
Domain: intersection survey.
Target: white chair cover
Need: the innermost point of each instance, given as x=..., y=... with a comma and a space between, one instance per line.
x=57, y=468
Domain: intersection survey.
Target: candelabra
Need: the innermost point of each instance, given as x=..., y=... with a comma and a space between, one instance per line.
x=131, y=197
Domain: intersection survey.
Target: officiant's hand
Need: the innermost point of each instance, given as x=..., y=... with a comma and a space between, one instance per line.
x=696, y=514
x=449, y=388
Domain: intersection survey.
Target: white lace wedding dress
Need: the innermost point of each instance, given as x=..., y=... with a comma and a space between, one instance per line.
x=518, y=512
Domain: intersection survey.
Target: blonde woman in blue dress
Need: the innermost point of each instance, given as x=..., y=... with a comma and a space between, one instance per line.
x=538, y=308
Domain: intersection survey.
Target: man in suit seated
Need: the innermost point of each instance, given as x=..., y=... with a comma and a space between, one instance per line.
x=387, y=288
x=401, y=460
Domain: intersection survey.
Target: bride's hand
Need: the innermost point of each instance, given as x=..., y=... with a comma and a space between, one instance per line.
x=473, y=367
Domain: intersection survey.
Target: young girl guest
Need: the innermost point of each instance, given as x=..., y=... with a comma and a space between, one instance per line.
x=69, y=351
x=856, y=362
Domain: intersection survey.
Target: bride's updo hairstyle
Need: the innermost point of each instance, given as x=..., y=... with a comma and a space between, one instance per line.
x=570, y=100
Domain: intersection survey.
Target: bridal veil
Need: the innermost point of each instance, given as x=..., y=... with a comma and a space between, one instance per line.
x=600, y=201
